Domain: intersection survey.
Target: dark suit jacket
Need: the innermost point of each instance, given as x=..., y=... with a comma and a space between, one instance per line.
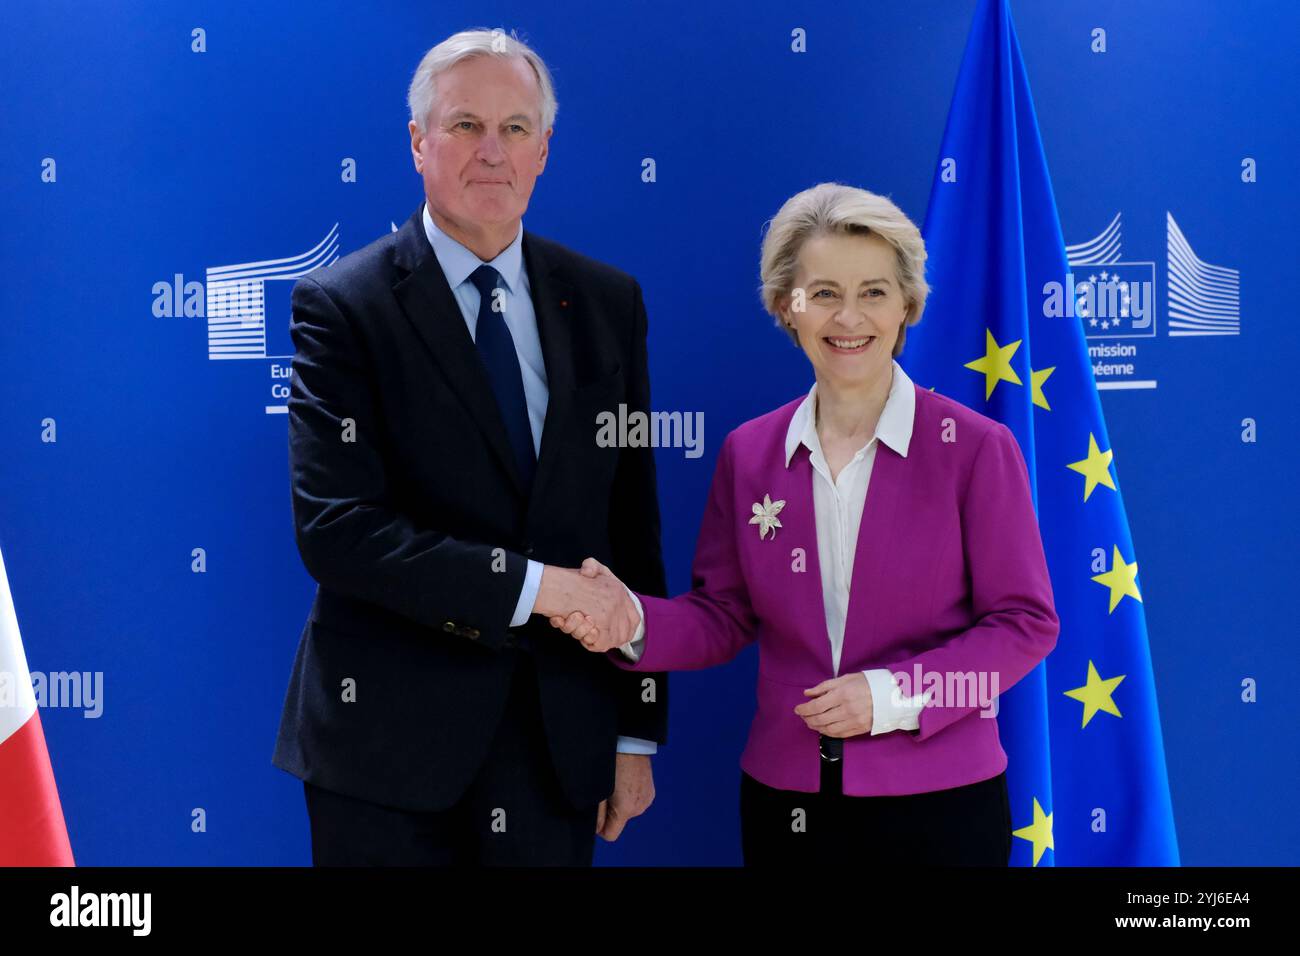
x=409, y=514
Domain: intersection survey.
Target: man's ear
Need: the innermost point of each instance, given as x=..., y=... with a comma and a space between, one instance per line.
x=415, y=146
x=546, y=150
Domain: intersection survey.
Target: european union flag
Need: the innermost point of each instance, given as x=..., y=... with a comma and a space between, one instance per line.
x=1082, y=731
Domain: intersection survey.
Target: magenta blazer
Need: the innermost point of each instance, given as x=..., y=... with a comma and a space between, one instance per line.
x=949, y=574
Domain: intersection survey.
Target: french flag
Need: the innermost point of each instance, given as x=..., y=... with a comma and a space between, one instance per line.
x=32, y=831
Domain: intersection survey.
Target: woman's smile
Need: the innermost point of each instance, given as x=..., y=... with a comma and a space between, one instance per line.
x=848, y=345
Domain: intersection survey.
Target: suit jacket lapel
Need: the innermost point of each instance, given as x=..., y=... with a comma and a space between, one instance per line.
x=431, y=307
x=554, y=306
x=793, y=484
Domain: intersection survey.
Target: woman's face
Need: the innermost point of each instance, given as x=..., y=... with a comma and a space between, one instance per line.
x=853, y=307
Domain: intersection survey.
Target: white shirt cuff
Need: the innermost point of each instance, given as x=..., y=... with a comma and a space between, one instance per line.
x=632, y=649
x=528, y=594
x=890, y=710
x=635, y=745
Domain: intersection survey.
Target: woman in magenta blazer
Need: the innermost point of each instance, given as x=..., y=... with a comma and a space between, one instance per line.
x=878, y=541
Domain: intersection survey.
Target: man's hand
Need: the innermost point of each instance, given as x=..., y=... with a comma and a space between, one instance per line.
x=841, y=707
x=599, y=612
x=634, y=791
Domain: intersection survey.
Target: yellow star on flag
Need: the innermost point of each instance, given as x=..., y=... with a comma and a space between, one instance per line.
x=1039, y=833
x=1121, y=579
x=1036, y=380
x=1095, y=468
x=1095, y=694
x=996, y=363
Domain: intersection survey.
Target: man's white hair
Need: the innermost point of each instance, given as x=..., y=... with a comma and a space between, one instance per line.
x=423, y=93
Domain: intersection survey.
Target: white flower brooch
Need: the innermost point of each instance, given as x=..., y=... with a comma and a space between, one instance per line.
x=765, y=516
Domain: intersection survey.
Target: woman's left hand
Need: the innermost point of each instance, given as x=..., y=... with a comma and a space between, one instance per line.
x=840, y=707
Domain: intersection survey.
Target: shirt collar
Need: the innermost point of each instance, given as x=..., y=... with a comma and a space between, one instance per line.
x=894, y=427
x=458, y=262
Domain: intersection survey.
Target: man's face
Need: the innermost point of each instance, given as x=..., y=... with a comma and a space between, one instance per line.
x=484, y=148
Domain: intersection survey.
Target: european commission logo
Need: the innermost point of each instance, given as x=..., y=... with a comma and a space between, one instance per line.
x=1115, y=300
x=246, y=307
x=236, y=298
x=1203, y=299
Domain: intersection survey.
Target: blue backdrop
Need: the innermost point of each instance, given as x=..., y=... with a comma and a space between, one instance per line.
x=133, y=164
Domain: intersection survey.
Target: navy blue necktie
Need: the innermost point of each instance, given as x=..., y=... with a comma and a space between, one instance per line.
x=497, y=349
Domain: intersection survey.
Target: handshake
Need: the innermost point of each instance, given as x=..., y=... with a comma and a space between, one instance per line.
x=589, y=603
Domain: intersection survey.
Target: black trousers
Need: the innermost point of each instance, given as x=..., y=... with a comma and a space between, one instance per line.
x=514, y=813
x=961, y=826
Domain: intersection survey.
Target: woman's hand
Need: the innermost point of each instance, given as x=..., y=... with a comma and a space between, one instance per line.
x=582, y=627
x=840, y=707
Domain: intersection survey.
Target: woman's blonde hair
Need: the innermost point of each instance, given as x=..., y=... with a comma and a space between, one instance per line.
x=830, y=209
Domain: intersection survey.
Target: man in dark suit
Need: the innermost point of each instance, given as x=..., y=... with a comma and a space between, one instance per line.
x=446, y=481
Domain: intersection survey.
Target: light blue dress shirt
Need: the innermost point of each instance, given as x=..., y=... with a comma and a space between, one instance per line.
x=458, y=263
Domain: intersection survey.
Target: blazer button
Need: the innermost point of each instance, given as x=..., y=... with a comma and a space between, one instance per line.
x=473, y=633
x=449, y=626
x=528, y=549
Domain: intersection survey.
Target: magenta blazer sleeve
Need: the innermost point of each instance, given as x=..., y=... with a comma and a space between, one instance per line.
x=714, y=621
x=1016, y=624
